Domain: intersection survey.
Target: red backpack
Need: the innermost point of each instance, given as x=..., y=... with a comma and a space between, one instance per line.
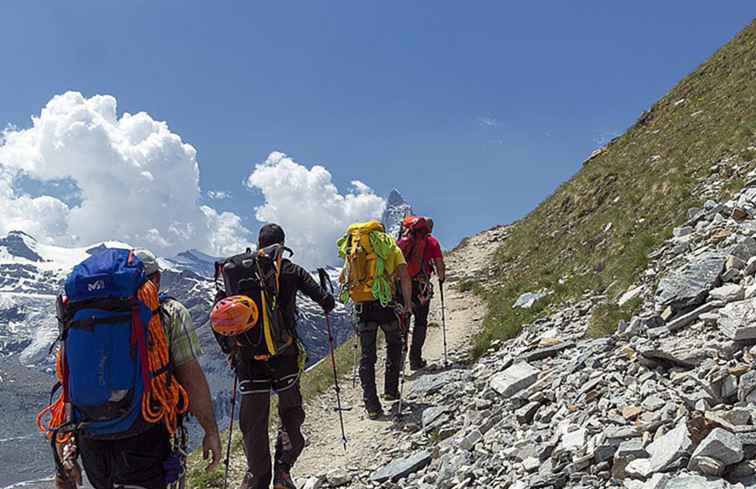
x=413, y=240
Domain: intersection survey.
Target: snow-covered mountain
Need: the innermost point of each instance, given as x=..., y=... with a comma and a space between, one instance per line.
x=32, y=274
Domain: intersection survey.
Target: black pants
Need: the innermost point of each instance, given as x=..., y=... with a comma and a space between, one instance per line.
x=368, y=331
x=133, y=462
x=259, y=379
x=420, y=310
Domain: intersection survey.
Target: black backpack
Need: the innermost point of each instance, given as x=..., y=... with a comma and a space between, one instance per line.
x=256, y=274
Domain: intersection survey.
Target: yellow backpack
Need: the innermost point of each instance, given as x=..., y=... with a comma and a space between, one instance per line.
x=365, y=247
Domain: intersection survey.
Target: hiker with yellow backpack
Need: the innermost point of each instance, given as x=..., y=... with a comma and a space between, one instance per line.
x=127, y=365
x=372, y=264
x=254, y=319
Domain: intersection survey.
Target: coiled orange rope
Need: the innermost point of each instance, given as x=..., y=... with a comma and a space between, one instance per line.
x=163, y=400
x=56, y=410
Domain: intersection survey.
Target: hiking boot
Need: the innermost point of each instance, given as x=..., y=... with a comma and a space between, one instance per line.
x=391, y=396
x=418, y=364
x=283, y=480
x=374, y=413
x=252, y=481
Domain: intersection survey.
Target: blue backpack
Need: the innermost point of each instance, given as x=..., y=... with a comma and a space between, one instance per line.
x=104, y=328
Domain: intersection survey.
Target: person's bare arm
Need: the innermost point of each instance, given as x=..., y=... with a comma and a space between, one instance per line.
x=192, y=378
x=440, y=269
x=406, y=284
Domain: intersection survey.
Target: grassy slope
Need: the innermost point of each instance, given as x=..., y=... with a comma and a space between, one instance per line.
x=647, y=173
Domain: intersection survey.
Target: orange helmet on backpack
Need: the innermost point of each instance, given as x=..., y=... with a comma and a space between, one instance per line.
x=234, y=315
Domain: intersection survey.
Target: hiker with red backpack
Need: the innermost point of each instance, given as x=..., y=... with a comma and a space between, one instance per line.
x=129, y=371
x=422, y=252
x=254, y=319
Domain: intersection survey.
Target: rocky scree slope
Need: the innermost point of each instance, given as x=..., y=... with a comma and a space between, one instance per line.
x=668, y=401
x=596, y=230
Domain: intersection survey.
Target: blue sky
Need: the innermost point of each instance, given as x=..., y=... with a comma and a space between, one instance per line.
x=476, y=111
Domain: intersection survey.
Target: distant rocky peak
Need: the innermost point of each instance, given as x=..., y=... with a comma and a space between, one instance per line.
x=21, y=245
x=395, y=199
x=396, y=209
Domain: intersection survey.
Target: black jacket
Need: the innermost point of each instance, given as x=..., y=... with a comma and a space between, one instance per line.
x=293, y=279
x=296, y=279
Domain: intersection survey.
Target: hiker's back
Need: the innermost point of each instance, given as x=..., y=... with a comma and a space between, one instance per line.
x=370, y=259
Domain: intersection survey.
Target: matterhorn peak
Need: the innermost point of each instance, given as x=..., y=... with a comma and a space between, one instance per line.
x=396, y=209
x=395, y=199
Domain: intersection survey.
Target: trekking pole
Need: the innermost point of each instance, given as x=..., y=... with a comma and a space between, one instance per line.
x=230, y=430
x=355, y=339
x=443, y=322
x=405, y=349
x=323, y=279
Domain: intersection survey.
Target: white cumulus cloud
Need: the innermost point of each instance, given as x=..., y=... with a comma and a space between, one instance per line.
x=310, y=208
x=138, y=181
x=218, y=195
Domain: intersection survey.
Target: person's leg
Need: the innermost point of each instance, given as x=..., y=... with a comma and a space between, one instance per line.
x=394, y=344
x=368, y=332
x=95, y=459
x=290, y=442
x=138, y=461
x=255, y=388
x=419, y=332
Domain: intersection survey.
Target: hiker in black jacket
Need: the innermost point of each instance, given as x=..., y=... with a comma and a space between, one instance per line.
x=278, y=374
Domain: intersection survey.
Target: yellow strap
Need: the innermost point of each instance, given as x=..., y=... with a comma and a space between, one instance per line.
x=266, y=325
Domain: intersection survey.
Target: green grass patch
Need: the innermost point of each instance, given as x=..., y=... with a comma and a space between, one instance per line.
x=595, y=232
x=606, y=317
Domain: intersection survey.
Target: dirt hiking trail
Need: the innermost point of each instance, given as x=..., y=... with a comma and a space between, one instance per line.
x=367, y=439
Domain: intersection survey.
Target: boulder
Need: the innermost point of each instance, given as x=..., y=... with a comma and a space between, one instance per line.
x=514, y=379
x=688, y=286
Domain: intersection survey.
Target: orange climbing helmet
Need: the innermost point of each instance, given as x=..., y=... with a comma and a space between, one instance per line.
x=234, y=315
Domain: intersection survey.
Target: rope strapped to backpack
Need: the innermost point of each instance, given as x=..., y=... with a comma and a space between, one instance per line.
x=163, y=398
x=382, y=246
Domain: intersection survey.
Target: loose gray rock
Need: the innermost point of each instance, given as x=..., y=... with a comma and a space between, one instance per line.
x=720, y=445
x=627, y=452
x=668, y=449
x=737, y=320
x=402, y=467
x=528, y=299
x=695, y=482
x=430, y=384
x=514, y=379
x=546, y=352
x=728, y=293
x=688, y=286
